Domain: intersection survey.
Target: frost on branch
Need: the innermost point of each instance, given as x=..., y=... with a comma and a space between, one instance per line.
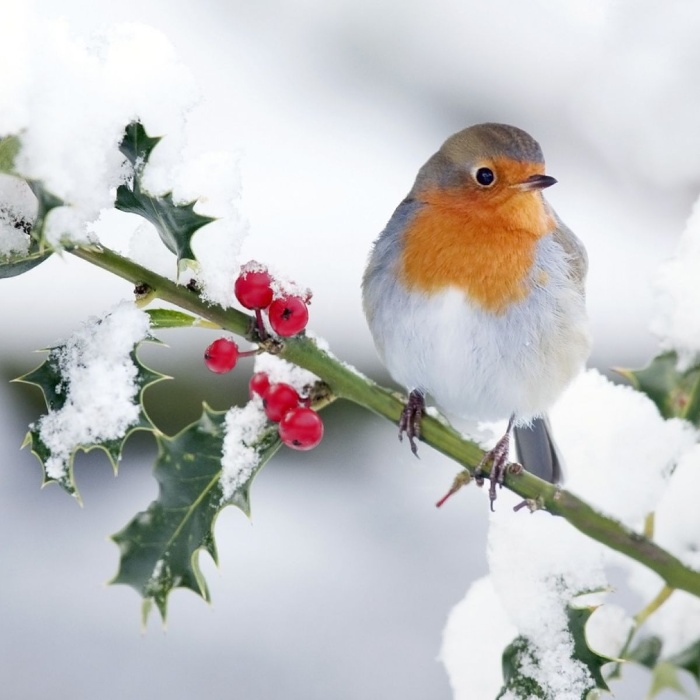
x=93, y=385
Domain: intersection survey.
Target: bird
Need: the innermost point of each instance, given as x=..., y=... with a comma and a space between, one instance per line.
x=474, y=294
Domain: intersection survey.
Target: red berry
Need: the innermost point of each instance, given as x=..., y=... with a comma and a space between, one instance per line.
x=221, y=356
x=301, y=428
x=288, y=315
x=253, y=289
x=279, y=399
x=259, y=383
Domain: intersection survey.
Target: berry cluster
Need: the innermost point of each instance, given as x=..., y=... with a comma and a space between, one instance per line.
x=288, y=314
x=300, y=427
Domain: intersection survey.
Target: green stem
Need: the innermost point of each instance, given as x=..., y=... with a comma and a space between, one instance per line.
x=347, y=383
x=638, y=620
x=663, y=595
x=649, y=523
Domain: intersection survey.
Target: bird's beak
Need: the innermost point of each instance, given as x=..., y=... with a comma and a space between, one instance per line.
x=536, y=182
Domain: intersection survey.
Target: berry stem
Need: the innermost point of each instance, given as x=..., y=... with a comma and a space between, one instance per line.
x=260, y=324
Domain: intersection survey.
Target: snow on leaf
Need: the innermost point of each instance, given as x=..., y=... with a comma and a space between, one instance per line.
x=137, y=145
x=675, y=393
x=520, y=662
x=20, y=263
x=517, y=682
x=93, y=387
x=578, y=617
x=175, y=223
x=47, y=202
x=160, y=546
x=16, y=260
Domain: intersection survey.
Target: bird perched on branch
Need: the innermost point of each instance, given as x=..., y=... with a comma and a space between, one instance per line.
x=474, y=294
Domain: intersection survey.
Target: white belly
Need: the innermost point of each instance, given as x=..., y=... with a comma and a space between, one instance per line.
x=479, y=365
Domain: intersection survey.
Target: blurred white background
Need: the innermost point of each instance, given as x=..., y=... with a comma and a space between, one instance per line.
x=341, y=586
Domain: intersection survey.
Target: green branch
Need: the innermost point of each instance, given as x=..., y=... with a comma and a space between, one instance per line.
x=348, y=384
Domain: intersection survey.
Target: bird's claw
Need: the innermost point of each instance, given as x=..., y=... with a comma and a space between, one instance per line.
x=411, y=417
x=498, y=457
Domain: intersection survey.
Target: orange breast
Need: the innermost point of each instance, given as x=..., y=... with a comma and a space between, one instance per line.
x=480, y=242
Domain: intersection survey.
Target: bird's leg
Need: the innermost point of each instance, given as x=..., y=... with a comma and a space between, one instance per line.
x=498, y=457
x=411, y=418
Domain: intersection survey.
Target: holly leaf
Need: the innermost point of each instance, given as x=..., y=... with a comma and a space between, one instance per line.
x=519, y=657
x=646, y=652
x=17, y=264
x=47, y=201
x=578, y=617
x=688, y=659
x=516, y=658
x=38, y=250
x=56, y=391
x=176, y=223
x=137, y=145
x=169, y=318
x=665, y=677
x=676, y=394
x=160, y=547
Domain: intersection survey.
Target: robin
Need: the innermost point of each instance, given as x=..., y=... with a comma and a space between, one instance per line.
x=474, y=294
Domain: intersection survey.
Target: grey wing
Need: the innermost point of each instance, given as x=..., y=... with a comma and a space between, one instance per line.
x=574, y=249
x=380, y=274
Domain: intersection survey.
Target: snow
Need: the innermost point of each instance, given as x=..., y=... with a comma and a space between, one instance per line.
x=476, y=633
x=129, y=71
x=100, y=386
x=147, y=249
x=538, y=565
x=677, y=524
x=280, y=284
x=214, y=180
x=676, y=321
x=279, y=370
x=619, y=454
x=677, y=529
x=18, y=205
x=618, y=450
x=323, y=345
x=240, y=456
x=13, y=241
x=112, y=78
x=285, y=287
x=608, y=629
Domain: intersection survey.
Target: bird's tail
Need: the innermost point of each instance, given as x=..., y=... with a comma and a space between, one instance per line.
x=537, y=451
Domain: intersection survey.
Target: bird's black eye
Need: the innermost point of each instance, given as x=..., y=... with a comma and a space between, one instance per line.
x=484, y=176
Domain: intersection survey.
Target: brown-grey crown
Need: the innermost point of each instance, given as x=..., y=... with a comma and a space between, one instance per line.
x=492, y=141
